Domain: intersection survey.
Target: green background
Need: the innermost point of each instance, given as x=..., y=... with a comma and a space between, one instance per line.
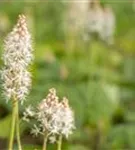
x=98, y=79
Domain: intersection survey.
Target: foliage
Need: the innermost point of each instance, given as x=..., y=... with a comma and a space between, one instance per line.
x=97, y=79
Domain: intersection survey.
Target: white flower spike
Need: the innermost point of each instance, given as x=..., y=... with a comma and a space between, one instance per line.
x=53, y=117
x=17, y=56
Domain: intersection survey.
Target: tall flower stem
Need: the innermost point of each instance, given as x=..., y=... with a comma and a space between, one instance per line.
x=59, y=143
x=18, y=128
x=12, y=131
x=45, y=142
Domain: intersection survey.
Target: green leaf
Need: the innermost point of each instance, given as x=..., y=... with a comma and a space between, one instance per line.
x=5, y=126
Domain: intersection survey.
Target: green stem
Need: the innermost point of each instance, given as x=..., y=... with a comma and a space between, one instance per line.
x=45, y=142
x=12, y=130
x=59, y=143
x=18, y=129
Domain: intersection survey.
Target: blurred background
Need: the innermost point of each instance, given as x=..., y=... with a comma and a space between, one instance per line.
x=86, y=50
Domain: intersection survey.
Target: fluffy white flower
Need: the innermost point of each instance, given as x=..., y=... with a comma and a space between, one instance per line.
x=53, y=117
x=35, y=130
x=17, y=48
x=64, y=118
x=52, y=139
x=17, y=56
x=47, y=108
x=29, y=112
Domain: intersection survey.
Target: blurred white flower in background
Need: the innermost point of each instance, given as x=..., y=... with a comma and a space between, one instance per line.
x=100, y=20
x=95, y=19
x=107, y=33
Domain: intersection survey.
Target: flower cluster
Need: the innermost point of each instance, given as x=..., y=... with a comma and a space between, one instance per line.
x=64, y=118
x=101, y=20
x=53, y=117
x=17, y=56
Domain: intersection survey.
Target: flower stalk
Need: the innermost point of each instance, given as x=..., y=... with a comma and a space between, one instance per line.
x=45, y=142
x=59, y=143
x=18, y=128
x=12, y=131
